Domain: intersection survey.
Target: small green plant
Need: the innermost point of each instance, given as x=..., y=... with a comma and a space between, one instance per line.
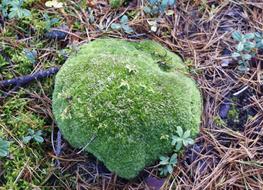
x=4, y=148
x=158, y=6
x=181, y=139
x=50, y=22
x=13, y=9
x=167, y=164
x=33, y=135
x=259, y=40
x=116, y=3
x=247, y=47
x=31, y=55
x=233, y=114
x=218, y=121
x=123, y=25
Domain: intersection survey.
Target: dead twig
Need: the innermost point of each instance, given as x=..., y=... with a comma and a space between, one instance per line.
x=20, y=81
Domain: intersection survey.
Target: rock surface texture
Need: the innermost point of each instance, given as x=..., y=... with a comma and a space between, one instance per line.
x=123, y=101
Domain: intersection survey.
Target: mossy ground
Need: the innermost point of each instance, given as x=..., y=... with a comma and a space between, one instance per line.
x=27, y=165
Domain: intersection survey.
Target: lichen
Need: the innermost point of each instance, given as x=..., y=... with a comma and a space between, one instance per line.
x=114, y=98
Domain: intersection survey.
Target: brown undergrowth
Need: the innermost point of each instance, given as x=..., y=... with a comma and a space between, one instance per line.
x=228, y=154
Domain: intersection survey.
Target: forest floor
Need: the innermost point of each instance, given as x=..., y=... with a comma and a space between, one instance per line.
x=228, y=153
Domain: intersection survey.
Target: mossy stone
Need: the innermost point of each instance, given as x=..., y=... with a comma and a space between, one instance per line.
x=122, y=102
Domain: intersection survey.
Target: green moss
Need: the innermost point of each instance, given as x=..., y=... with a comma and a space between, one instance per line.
x=218, y=121
x=233, y=114
x=113, y=98
x=116, y=3
x=30, y=159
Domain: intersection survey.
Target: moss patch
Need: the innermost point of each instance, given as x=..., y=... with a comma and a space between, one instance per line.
x=27, y=165
x=118, y=98
x=116, y=3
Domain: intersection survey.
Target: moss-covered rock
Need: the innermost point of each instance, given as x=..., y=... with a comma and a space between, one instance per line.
x=116, y=3
x=119, y=100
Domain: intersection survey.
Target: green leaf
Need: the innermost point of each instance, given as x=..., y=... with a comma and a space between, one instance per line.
x=27, y=139
x=185, y=142
x=17, y=11
x=124, y=20
x=187, y=134
x=38, y=133
x=15, y=3
x=39, y=139
x=164, y=160
x=237, y=36
x=12, y=14
x=127, y=29
x=115, y=26
x=164, y=4
x=163, y=171
x=4, y=146
x=235, y=55
x=31, y=131
x=171, y=2
x=249, y=45
x=243, y=68
x=147, y=10
x=246, y=56
x=260, y=44
x=26, y=13
x=178, y=146
x=169, y=169
x=190, y=141
x=249, y=36
x=173, y=159
x=153, y=1
x=240, y=47
x=174, y=140
x=180, y=131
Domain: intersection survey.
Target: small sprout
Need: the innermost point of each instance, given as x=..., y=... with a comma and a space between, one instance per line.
x=124, y=25
x=159, y=6
x=50, y=22
x=182, y=138
x=246, y=49
x=13, y=9
x=167, y=164
x=164, y=137
x=259, y=40
x=54, y=3
x=31, y=55
x=33, y=135
x=124, y=84
x=4, y=148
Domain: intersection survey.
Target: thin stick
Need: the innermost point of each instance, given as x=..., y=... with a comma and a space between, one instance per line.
x=19, y=81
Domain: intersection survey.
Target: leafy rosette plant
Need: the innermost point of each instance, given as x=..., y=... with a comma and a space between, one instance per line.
x=122, y=101
x=247, y=48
